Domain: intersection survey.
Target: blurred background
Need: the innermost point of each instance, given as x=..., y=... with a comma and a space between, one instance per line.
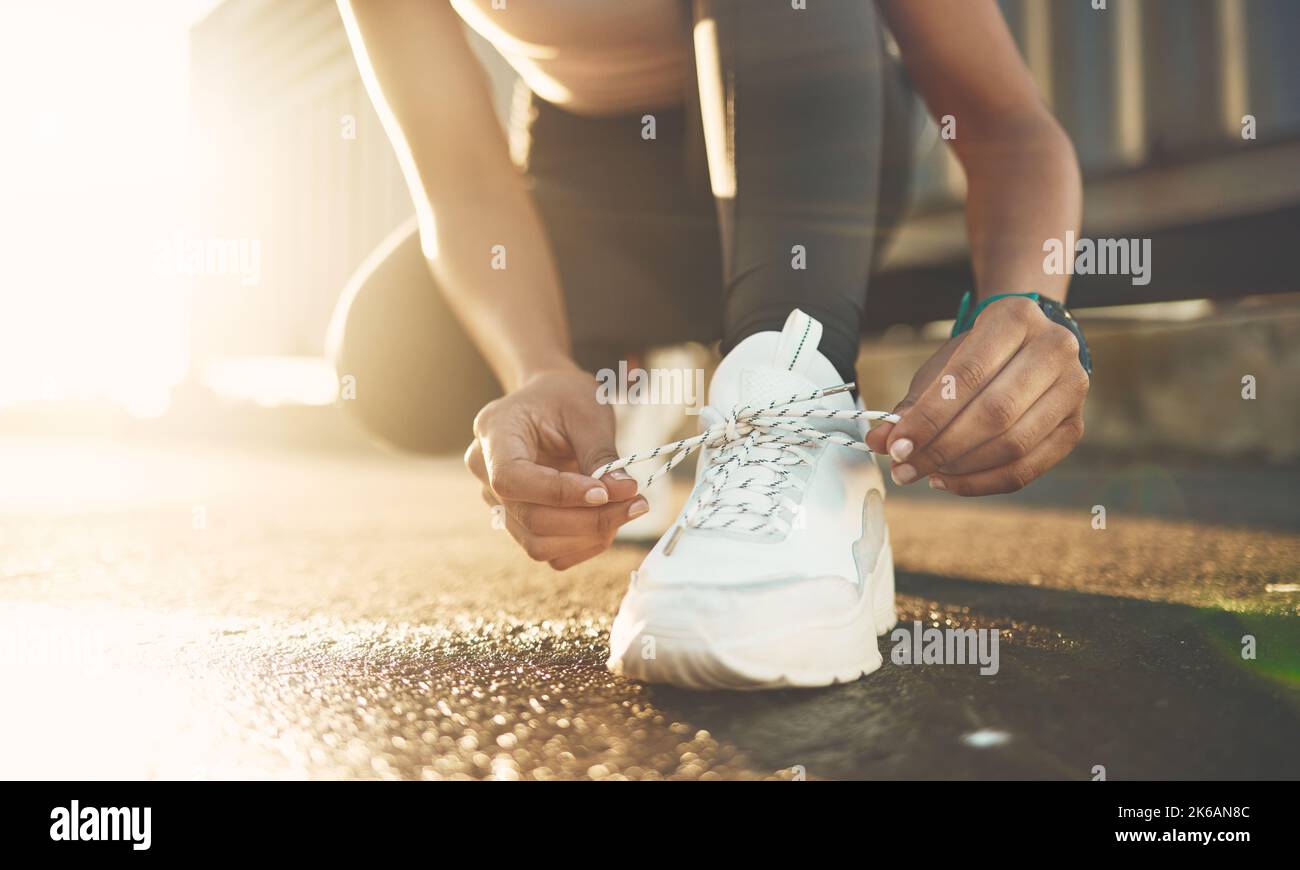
x=179, y=224
x=187, y=185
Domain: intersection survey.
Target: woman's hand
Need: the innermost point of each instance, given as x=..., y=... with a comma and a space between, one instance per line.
x=993, y=409
x=534, y=450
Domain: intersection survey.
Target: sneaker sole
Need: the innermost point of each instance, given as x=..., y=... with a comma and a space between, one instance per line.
x=657, y=637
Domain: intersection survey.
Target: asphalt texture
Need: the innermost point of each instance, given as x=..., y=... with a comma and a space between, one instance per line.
x=173, y=612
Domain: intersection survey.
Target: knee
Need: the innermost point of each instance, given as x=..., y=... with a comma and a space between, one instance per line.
x=360, y=346
x=407, y=374
x=368, y=310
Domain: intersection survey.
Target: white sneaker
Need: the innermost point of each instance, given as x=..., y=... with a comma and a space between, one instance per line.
x=778, y=570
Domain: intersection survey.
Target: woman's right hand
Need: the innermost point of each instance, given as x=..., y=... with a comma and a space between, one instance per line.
x=534, y=451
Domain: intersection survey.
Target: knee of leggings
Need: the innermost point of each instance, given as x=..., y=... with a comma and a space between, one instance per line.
x=407, y=372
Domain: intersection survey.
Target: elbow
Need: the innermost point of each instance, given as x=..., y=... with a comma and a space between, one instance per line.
x=1033, y=137
x=1051, y=140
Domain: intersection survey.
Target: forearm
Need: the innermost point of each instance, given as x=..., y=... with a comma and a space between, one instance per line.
x=1023, y=188
x=478, y=225
x=496, y=269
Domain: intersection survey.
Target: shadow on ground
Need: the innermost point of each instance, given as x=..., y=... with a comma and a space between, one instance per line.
x=1144, y=690
x=1226, y=494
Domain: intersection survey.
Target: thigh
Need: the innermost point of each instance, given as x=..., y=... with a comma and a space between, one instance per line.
x=903, y=117
x=632, y=225
x=419, y=380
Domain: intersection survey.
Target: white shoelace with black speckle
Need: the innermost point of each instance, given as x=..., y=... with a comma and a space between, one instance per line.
x=769, y=437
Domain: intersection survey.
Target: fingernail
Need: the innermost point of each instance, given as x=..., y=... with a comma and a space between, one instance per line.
x=937, y=483
x=903, y=474
x=597, y=495
x=900, y=449
x=637, y=508
x=619, y=474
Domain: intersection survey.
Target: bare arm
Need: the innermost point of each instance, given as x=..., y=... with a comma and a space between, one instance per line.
x=999, y=405
x=535, y=448
x=434, y=101
x=1022, y=177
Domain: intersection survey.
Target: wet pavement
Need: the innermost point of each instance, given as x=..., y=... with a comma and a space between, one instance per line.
x=204, y=612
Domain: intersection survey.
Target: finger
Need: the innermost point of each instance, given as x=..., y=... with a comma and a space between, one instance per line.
x=994, y=411
x=544, y=548
x=514, y=476
x=972, y=366
x=474, y=460
x=488, y=497
x=567, y=562
x=593, y=445
x=621, y=485
x=1053, y=408
x=601, y=522
x=878, y=438
x=1013, y=476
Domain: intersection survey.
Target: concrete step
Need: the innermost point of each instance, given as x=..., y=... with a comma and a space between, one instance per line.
x=1160, y=385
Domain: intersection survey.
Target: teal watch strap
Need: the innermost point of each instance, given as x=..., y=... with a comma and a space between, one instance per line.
x=1052, y=310
x=966, y=317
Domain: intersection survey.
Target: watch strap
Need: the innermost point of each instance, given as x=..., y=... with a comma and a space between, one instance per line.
x=966, y=316
x=1052, y=310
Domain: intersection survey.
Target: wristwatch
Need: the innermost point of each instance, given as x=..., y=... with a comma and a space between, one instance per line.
x=1052, y=310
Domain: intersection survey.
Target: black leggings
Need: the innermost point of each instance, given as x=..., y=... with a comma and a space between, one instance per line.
x=776, y=192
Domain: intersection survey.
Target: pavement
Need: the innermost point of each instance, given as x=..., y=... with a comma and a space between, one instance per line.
x=174, y=610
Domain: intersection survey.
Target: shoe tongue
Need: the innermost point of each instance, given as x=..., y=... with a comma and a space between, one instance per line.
x=771, y=366
x=776, y=365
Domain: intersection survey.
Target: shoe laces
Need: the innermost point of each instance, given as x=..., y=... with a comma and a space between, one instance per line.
x=755, y=451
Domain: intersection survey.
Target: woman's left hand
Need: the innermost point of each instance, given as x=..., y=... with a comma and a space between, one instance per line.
x=993, y=409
